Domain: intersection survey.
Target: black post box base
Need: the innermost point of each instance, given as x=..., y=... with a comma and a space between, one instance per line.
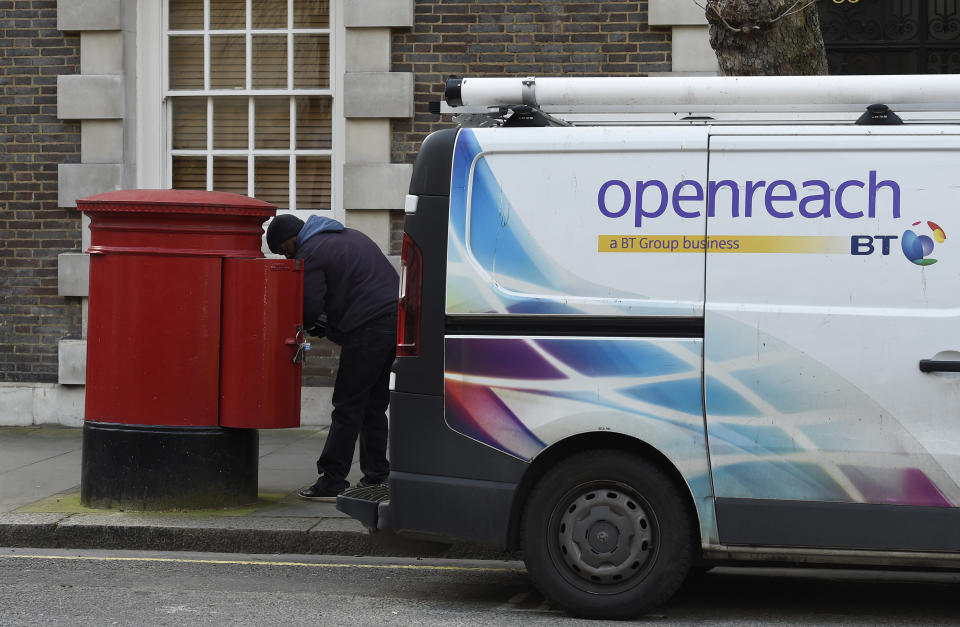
x=136, y=467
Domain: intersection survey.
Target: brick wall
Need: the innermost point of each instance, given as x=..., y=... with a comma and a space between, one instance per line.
x=396, y=231
x=33, y=230
x=518, y=38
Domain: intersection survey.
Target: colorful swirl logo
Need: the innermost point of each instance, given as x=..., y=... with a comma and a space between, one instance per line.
x=917, y=247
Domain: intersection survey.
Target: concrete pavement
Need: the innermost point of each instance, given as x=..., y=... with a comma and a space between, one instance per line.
x=40, y=506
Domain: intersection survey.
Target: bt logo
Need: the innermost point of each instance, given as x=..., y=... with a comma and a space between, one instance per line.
x=916, y=248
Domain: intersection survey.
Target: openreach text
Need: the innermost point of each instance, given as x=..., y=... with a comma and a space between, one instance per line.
x=815, y=198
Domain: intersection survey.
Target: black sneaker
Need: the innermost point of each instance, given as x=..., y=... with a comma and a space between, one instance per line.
x=316, y=492
x=368, y=483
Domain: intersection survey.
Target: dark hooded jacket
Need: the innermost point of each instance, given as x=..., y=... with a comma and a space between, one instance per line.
x=347, y=280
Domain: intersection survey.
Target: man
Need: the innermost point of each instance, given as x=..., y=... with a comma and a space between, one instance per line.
x=350, y=295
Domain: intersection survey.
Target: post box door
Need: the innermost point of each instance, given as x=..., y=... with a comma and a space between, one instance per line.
x=153, y=340
x=261, y=334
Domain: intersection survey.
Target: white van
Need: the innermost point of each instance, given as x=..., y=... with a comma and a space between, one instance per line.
x=653, y=324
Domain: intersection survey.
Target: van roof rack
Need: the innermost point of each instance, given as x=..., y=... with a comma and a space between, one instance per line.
x=707, y=99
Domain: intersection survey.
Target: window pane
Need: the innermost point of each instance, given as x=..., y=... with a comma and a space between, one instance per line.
x=313, y=183
x=272, y=58
x=189, y=173
x=270, y=62
x=273, y=123
x=314, y=122
x=311, y=61
x=230, y=123
x=186, y=63
x=189, y=123
x=186, y=14
x=230, y=174
x=272, y=182
x=270, y=13
x=228, y=62
x=228, y=14
x=311, y=14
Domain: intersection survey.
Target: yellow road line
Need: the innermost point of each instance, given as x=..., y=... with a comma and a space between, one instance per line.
x=176, y=560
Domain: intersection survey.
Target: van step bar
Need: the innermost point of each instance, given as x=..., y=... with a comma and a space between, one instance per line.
x=364, y=503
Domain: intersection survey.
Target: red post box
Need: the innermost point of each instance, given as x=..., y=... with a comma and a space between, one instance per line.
x=194, y=342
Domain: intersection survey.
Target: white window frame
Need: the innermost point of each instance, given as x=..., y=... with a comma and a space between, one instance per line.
x=154, y=113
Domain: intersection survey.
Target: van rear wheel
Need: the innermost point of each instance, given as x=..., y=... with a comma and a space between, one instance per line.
x=607, y=534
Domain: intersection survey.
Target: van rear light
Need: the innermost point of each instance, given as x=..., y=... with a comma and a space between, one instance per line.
x=411, y=289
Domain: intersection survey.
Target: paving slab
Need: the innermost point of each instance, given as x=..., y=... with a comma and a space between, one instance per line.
x=37, y=463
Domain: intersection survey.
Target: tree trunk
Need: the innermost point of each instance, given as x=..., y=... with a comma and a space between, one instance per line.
x=751, y=39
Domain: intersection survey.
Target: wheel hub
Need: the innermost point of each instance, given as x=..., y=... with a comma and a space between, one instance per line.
x=605, y=536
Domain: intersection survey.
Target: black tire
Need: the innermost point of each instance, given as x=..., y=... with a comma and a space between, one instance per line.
x=599, y=497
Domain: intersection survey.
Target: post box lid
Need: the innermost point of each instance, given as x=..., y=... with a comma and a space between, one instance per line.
x=176, y=201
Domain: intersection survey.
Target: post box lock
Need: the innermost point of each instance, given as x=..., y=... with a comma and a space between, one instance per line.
x=302, y=345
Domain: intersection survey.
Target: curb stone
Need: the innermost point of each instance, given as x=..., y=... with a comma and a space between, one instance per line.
x=260, y=535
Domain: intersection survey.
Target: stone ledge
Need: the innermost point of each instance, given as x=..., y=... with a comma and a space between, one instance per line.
x=691, y=50
x=375, y=185
x=73, y=274
x=367, y=50
x=367, y=140
x=375, y=223
x=26, y=404
x=78, y=15
x=101, y=141
x=79, y=180
x=101, y=52
x=90, y=97
x=72, y=362
x=675, y=13
x=378, y=95
x=316, y=404
x=378, y=14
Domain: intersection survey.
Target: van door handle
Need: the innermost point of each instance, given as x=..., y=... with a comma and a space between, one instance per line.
x=937, y=365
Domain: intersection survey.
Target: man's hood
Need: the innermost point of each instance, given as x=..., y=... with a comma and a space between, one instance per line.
x=317, y=224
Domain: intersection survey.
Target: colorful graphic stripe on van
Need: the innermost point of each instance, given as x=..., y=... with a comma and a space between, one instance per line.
x=518, y=395
x=769, y=438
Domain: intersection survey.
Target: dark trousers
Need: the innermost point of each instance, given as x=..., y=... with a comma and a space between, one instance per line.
x=360, y=398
